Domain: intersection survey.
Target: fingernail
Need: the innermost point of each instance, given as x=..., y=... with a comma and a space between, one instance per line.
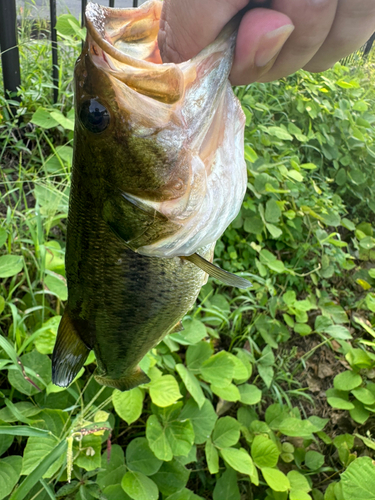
x=271, y=43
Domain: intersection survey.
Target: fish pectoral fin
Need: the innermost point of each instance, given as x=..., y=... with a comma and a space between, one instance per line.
x=136, y=378
x=69, y=353
x=134, y=222
x=218, y=273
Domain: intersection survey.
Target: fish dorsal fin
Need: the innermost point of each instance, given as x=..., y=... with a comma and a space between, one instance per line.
x=69, y=353
x=218, y=273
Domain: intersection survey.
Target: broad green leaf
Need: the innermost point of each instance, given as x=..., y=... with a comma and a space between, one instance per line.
x=191, y=384
x=115, y=492
x=10, y=470
x=338, y=332
x=276, y=479
x=364, y=396
x=64, y=24
x=226, y=487
x=57, y=284
x=6, y=441
x=10, y=265
x=139, y=487
x=90, y=456
x=226, y=432
x=347, y=381
x=164, y=391
x=273, y=211
x=55, y=456
x=358, y=481
x=228, y=392
x=250, y=394
x=43, y=119
x=253, y=225
x=40, y=364
x=359, y=413
x=36, y=450
x=340, y=404
x=184, y=494
x=314, y=460
x=219, y=369
x=203, y=419
x=280, y=133
x=55, y=421
x=239, y=460
x=171, y=477
x=212, y=457
x=298, y=481
x=114, y=470
x=140, y=458
x=45, y=337
x=264, y=452
x=302, y=329
x=194, y=331
x=297, y=428
x=157, y=440
x=197, y=354
x=180, y=436
x=129, y=404
x=62, y=120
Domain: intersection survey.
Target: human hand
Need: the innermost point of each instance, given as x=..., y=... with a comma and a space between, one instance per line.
x=271, y=43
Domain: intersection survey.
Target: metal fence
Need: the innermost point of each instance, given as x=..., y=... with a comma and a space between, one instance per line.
x=9, y=44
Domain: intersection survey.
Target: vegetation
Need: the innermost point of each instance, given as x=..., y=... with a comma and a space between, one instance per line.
x=267, y=394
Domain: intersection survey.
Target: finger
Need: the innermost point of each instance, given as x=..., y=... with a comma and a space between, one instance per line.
x=188, y=26
x=313, y=20
x=261, y=35
x=354, y=24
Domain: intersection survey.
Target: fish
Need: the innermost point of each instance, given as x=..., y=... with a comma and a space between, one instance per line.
x=158, y=174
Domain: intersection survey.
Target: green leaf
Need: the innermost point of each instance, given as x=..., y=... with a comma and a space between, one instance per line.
x=139, y=487
x=280, y=133
x=45, y=337
x=359, y=413
x=114, y=470
x=239, y=460
x=340, y=404
x=273, y=211
x=114, y=492
x=62, y=120
x=191, y=384
x=43, y=119
x=250, y=394
x=23, y=430
x=276, y=479
x=55, y=456
x=172, y=477
x=197, y=354
x=226, y=432
x=219, y=369
x=347, y=381
x=180, y=436
x=338, y=332
x=164, y=391
x=212, y=457
x=265, y=453
x=298, y=481
x=226, y=487
x=203, y=419
x=314, y=460
x=253, y=225
x=3, y=236
x=364, y=396
x=297, y=428
x=228, y=392
x=194, y=331
x=10, y=470
x=250, y=154
x=64, y=24
x=6, y=441
x=140, y=458
x=57, y=284
x=36, y=450
x=10, y=265
x=129, y=404
x=302, y=329
x=358, y=481
x=157, y=439
x=37, y=362
x=89, y=457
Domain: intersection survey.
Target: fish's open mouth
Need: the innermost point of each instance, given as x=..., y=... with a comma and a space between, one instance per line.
x=123, y=42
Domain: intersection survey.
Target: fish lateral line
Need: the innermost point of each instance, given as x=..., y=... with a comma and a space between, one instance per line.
x=216, y=272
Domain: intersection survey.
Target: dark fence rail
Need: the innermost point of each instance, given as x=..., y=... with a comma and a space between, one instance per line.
x=9, y=45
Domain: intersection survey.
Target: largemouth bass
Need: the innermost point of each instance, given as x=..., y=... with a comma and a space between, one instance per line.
x=158, y=174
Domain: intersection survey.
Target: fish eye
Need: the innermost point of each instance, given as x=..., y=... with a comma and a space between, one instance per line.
x=94, y=116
